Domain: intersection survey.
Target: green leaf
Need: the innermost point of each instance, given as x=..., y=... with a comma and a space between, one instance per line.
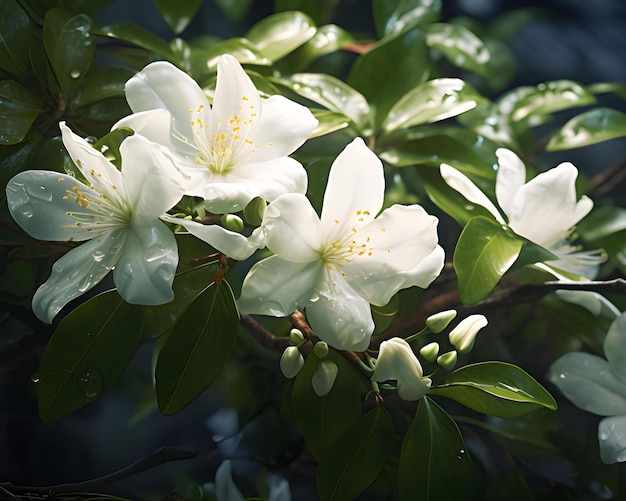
x=602, y=222
x=328, y=38
x=86, y=354
x=70, y=47
x=356, y=458
x=616, y=88
x=532, y=253
x=277, y=35
x=197, y=348
x=241, y=49
x=431, y=101
x=332, y=93
x=495, y=388
x=591, y=127
x=19, y=108
x=394, y=17
x=101, y=84
x=323, y=419
x=177, y=14
x=235, y=10
x=328, y=121
x=434, y=463
x=136, y=35
x=549, y=97
x=16, y=34
x=390, y=69
x=483, y=253
x=460, y=46
x=526, y=435
x=384, y=316
x=109, y=145
x=320, y=10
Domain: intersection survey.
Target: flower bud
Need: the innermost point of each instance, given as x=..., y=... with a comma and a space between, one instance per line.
x=439, y=321
x=232, y=222
x=291, y=362
x=320, y=349
x=324, y=377
x=254, y=211
x=296, y=337
x=447, y=360
x=430, y=351
x=462, y=337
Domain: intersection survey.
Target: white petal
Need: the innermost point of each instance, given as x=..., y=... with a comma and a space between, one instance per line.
x=461, y=183
x=277, y=287
x=273, y=178
x=227, y=242
x=151, y=124
x=394, y=245
x=510, y=178
x=152, y=183
x=77, y=272
x=588, y=382
x=147, y=265
x=615, y=347
x=282, y=128
x=36, y=202
x=612, y=439
x=340, y=316
x=596, y=303
x=225, y=488
x=292, y=229
x=354, y=191
x=413, y=389
x=545, y=208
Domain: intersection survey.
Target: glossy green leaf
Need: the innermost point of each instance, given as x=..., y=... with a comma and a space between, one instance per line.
x=434, y=463
x=391, y=69
x=70, y=47
x=279, y=34
x=177, y=14
x=356, y=458
x=96, y=118
x=532, y=253
x=460, y=46
x=138, y=36
x=87, y=353
x=549, y=97
x=495, y=388
x=431, y=101
x=323, y=419
x=410, y=13
x=483, y=253
x=327, y=39
x=328, y=121
x=384, y=316
x=614, y=87
x=602, y=222
x=18, y=109
x=590, y=127
x=240, y=48
x=197, y=348
x=332, y=93
x=109, y=145
x=16, y=32
x=101, y=84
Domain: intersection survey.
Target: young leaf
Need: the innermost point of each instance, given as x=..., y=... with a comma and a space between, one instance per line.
x=495, y=388
x=432, y=451
x=483, y=253
x=197, y=348
x=356, y=458
x=279, y=34
x=590, y=127
x=460, y=46
x=177, y=14
x=86, y=354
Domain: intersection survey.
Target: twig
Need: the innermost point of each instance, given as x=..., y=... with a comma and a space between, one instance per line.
x=263, y=336
x=605, y=181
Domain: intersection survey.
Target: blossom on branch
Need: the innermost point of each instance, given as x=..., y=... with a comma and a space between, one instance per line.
x=117, y=216
x=337, y=265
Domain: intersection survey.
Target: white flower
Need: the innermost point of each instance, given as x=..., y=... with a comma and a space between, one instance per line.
x=544, y=210
x=599, y=386
x=232, y=151
x=117, y=214
x=396, y=361
x=336, y=265
x=462, y=337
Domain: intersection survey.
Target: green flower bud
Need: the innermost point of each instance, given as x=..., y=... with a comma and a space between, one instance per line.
x=232, y=222
x=291, y=362
x=430, y=351
x=462, y=337
x=439, y=321
x=447, y=360
x=320, y=349
x=296, y=337
x=324, y=377
x=254, y=211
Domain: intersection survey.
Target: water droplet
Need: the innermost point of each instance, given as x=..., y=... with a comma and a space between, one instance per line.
x=39, y=192
x=98, y=256
x=461, y=454
x=35, y=377
x=314, y=298
x=90, y=382
x=74, y=73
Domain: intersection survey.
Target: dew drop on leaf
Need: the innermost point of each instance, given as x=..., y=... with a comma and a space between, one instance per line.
x=90, y=382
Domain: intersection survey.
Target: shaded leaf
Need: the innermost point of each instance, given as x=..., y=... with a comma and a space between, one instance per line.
x=328, y=121
x=320, y=10
x=102, y=84
x=234, y=9
x=590, y=127
x=16, y=32
x=136, y=35
x=460, y=46
x=19, y=108
x=177, y=14
x=279, y=34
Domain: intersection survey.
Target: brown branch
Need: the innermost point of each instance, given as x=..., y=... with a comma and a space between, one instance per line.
x=605, y=181
x=263, y=336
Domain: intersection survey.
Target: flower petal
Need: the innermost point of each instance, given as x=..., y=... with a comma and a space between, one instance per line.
x=394, y=245
x=151, y=124
x=228, y=242
x=551, y=199
x=292, y=229
x=354, y=191
x=37, y=201
x=510, y=178
x=588, y=382
x=281, y=129
x=615, y=347
x=77, y=272
x=273, y=178
x=277, y=287
x=461, y=183
x=340, y=316
x=612, y=439
x=147, y=265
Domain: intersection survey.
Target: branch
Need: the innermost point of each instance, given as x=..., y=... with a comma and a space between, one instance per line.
x=263, y=336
